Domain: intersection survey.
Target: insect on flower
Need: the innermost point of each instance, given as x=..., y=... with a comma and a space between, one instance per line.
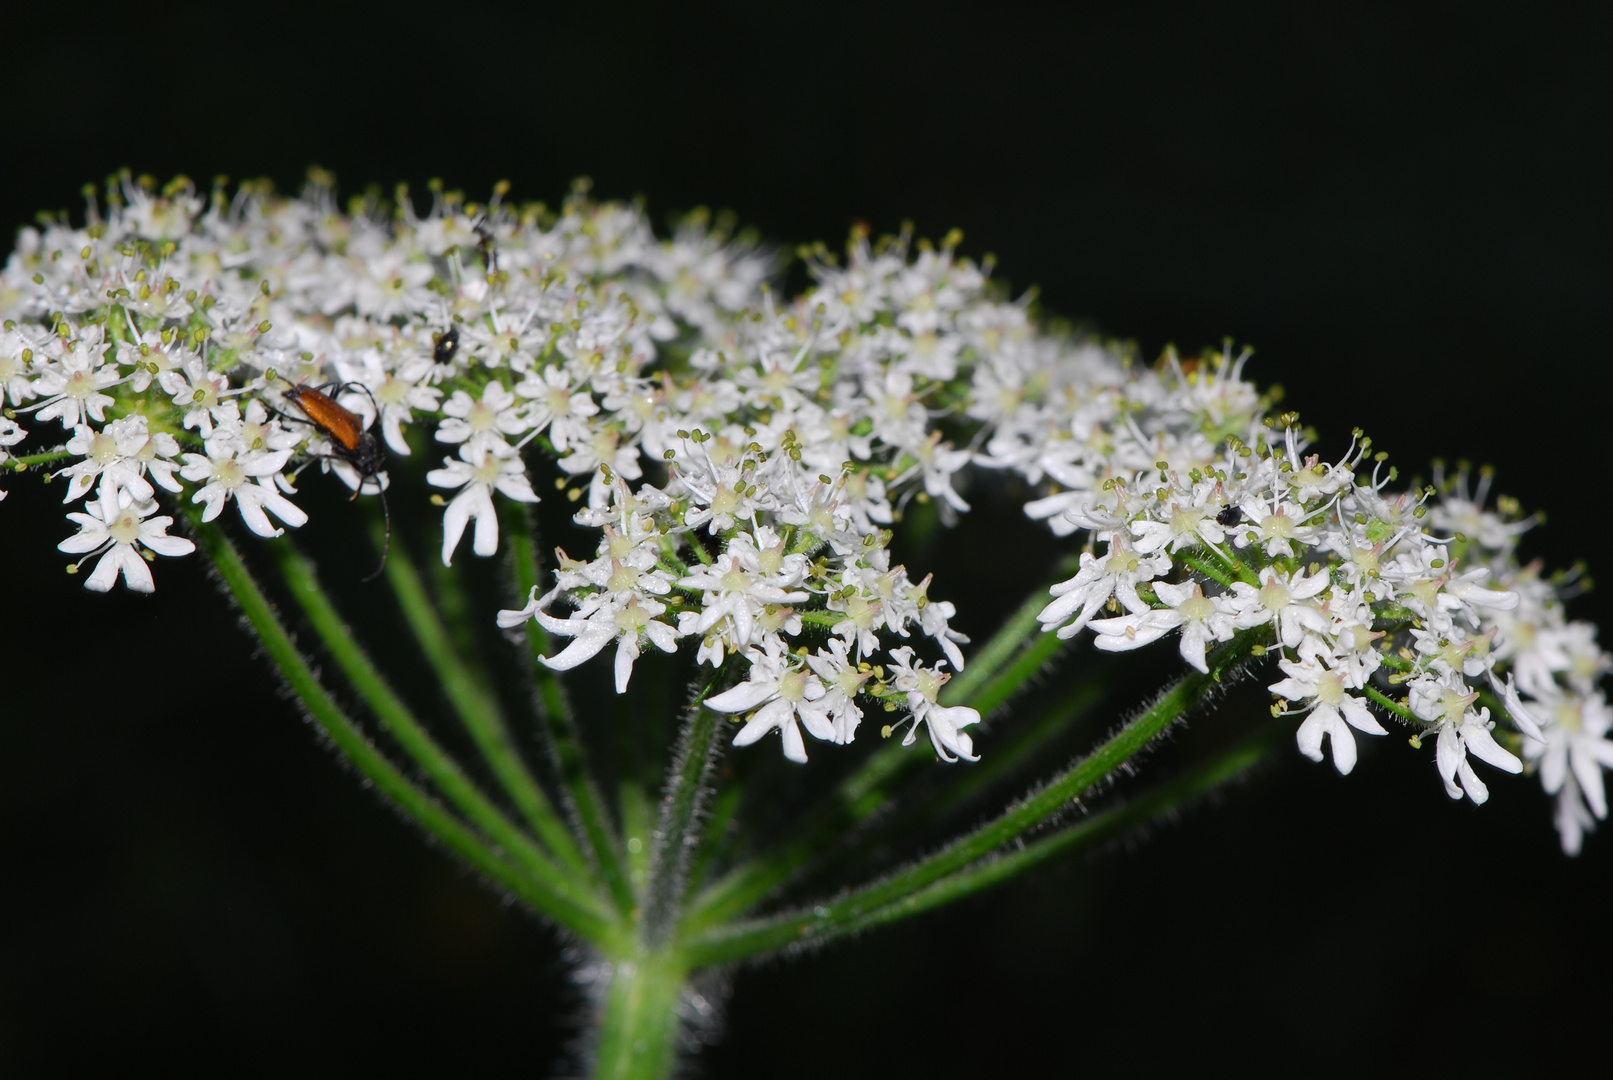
x=350, y=443
x=487, y=244
x=445, y=348
x=1229, y=516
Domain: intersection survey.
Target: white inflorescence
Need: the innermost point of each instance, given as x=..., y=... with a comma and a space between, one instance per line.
x=741, y=457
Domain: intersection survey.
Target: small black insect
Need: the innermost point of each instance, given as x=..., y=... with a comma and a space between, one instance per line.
x=447, y=345
x=1229, y=516
x=487, y=244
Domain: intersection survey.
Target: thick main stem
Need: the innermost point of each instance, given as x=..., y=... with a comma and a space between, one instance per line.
x=638, y=1032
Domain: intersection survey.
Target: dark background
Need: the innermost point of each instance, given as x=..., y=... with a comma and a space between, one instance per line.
x=1406, y=213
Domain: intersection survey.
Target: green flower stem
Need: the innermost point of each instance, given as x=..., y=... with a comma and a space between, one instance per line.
x=478, y=710
x=637, y=823
x=967, y=783
x=1092, y=830
x=853, y=801
x=860, y=796
x=864, y=791
x=28, y=461
x=638, y=1032
x=396, y=718
x=570, y=755
x=677, y=831
x=1393, y=615
x=1031, y=659
x=1391, y=704
x=1244, y=572
x=1020, y=626
x=453, y=609
x=735, y=941
x=719, y=832
x=350, y=741
x=1214, y=573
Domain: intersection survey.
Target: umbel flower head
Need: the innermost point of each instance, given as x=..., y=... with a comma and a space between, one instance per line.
x=741, y=459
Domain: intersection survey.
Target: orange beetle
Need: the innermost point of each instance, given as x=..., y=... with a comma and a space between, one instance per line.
x=349, y=443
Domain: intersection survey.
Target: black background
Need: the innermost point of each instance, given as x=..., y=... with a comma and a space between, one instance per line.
x=1406, y=213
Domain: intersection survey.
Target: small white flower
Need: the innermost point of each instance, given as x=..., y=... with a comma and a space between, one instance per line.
x=468, y=418
x=1116, y=575
x=837, y=709
x=1462, y=732
x=1282, y=599
x=228, y=468
x=753, y=573
x=1203, y=619
x=945, y=723
x=483, y=466
x=1331, y=709
x=780, y=692
x=624, y=617
x=1276, y=525
x=201, y=394
x=1185, y=527
x=558, y=406
x=1575, y=750
x=116, y=528
x=115, y=453
x=72, y=385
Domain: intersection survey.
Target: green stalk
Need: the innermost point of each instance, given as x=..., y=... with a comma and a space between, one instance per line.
x=637, y=823
x=638, y=1032
x=28, y=461
x=677, y=831
x=564, y=738
x=718, y=837
x=396, y=718
x=739, y=940
x=1031, y=659
x=1214, y=573
x=1392, y=705
x=749, y=884
x=1244, y=572
x=965, y=784
x=1090, y=831
x=1020, y=627
x=478, y=710
x=989, y=680
x=352, y=744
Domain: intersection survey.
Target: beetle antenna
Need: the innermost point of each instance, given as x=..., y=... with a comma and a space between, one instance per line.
x=386, y=541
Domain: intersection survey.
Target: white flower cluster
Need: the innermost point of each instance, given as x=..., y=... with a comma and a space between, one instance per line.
x=741, y=457
x=1411, y=604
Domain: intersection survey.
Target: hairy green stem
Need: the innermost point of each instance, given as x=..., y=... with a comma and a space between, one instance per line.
x=352, y=744
x=966, y=784
x=638, y=1031
x=477, y=708
x=1092, y=830
x=677, y=831
x=564, y=738
x=738, y=940
x=1214, y=573
x=396, y=718
x=988, y=681
x=1391, y=704
x=1019, y=627
x=28, y=461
